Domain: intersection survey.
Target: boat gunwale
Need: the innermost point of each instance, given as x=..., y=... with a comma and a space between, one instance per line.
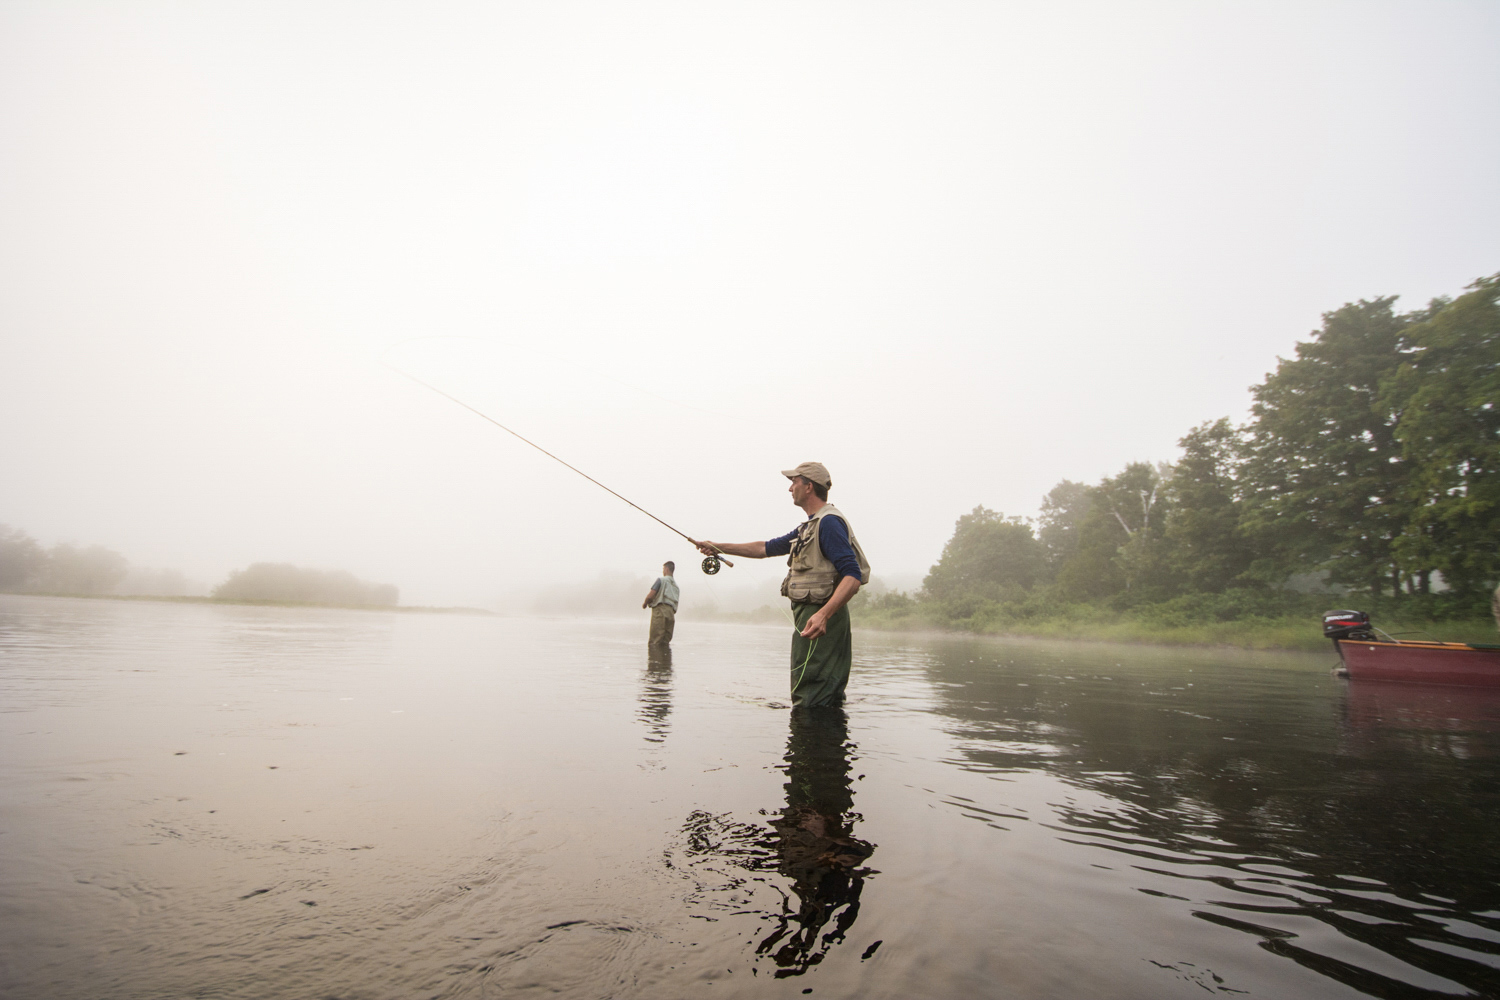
x=1432, y=644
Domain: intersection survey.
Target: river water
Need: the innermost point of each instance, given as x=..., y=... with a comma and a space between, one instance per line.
x=215, y=801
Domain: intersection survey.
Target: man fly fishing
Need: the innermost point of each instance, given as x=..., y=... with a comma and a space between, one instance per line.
x=826, y=567
x=662, y=599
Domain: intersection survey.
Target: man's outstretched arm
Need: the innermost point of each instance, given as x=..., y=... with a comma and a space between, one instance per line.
x=750, y=550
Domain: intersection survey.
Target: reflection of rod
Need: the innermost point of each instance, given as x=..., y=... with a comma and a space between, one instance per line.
x=549, y=454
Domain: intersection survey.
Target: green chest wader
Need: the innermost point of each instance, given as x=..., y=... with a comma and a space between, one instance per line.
x=820, y=667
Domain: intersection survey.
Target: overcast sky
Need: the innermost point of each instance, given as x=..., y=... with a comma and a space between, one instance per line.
x=955, y=251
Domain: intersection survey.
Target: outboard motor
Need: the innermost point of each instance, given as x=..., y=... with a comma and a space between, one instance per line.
x=1347, y=625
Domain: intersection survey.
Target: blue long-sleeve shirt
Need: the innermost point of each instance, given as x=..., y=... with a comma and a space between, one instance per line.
x=833, y=539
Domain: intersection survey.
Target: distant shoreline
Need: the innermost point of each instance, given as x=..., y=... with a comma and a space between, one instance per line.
x=1290, y=634
x=400, y=608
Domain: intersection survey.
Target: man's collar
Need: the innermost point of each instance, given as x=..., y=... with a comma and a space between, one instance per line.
x=814, y=511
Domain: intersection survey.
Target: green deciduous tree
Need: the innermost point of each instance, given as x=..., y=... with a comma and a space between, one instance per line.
x=1326, y=478
x=21, y=558
x=1061, y=517
x=989, y=556
x=1206, y=549
x=71, y=569
x=1092, y=571
x=1447, y=393
x=1119, y=543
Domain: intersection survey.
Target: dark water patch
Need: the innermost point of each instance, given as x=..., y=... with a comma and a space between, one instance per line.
x=1269, y=800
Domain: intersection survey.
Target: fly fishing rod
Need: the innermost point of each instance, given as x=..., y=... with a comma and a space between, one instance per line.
x=710, y=563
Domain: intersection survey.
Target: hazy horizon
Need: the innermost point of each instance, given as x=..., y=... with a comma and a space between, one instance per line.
x=956, y=252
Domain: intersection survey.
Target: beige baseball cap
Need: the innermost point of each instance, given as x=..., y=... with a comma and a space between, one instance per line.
x=811, y=471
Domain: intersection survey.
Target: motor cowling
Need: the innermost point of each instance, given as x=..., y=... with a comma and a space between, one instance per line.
x=1347, y=625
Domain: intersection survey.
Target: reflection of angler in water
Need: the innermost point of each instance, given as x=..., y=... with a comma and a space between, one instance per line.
x=656, y=693
x=813, y=843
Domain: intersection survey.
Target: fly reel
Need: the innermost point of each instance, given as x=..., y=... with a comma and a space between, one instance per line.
x=711, y=565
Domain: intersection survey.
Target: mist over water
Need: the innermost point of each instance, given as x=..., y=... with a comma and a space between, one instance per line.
x=247, y=801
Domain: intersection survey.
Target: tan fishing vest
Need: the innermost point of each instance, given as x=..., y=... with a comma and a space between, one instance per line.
x=811, y=577
x=667, y=593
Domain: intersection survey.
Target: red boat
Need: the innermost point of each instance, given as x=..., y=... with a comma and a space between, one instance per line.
x=1368, y=654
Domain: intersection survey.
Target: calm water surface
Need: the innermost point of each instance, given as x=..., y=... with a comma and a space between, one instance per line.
x=202, y=801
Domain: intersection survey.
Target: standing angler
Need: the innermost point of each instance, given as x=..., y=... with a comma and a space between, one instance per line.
x=826, y=568
x=662, y=600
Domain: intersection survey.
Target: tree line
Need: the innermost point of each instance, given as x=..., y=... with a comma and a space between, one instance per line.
x=25, y=565
x=1370, y=464
x=28, y=567
x=294, y=584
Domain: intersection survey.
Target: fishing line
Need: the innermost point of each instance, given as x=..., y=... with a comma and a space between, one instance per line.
x=805, y=660
x=710, y=563
x=558, y=359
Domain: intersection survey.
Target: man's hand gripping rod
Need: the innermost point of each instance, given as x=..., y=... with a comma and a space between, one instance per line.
x=710, y=564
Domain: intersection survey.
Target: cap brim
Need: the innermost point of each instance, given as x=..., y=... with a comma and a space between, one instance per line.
x=790, y=473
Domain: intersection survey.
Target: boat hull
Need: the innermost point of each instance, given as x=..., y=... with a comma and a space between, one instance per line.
x=1420, y=662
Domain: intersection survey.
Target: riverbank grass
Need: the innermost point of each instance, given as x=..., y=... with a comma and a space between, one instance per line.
x=1289, y=622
